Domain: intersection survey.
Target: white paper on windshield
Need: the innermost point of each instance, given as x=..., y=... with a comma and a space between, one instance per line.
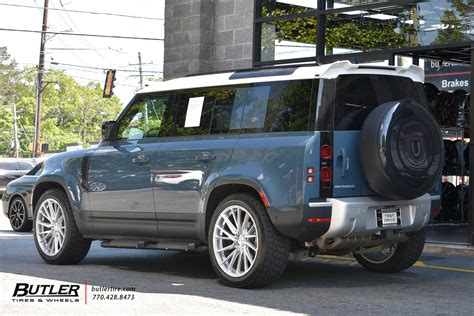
x=193, y=115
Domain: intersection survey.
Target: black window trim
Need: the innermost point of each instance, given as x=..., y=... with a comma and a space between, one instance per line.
x=178, y=93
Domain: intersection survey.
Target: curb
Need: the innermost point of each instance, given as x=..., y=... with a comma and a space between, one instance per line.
x=449, y=250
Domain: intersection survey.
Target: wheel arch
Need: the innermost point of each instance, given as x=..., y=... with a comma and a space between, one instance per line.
x=46, y=185
x=225, y=188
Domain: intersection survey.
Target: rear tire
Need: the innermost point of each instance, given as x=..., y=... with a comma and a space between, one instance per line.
x=57, y=238
x=248, y=255
x=403, y=256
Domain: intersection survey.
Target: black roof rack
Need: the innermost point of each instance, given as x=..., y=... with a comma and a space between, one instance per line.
x=256, y=69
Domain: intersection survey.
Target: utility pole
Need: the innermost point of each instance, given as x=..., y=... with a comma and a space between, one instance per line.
x=140, y=69
x=15, y=132
x=39, y=86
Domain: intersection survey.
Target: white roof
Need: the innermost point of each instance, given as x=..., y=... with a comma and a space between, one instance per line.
x=327, y=71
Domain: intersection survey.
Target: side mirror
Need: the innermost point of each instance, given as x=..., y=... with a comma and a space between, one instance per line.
x=109, y=131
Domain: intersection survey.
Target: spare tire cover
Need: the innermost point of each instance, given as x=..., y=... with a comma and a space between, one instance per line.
x=401, y=150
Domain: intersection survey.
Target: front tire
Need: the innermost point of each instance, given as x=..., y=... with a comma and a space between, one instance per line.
x=246, y=250
x=398, y=257
x=18, y=215
x=57, y=238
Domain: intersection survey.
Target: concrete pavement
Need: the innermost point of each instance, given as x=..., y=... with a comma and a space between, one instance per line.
x=178, y=283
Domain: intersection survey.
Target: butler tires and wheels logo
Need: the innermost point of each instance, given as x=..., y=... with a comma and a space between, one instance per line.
x=46, y=293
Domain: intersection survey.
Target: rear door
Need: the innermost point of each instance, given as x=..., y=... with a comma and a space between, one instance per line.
x=355, y=97
x=206, y=130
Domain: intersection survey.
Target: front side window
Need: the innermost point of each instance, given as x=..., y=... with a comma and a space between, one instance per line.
x=144, y=119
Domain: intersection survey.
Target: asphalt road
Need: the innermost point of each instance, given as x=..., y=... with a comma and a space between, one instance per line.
x=177, y=283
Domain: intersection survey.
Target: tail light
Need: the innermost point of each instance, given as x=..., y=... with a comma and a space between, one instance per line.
x=326, y=152
x=325, y=167
x=326, y=175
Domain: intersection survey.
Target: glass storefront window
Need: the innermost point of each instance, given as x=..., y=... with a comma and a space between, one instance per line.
x=288, y=28
x=445, y=22
x=287, y=7
x=288, y=39
x=339, y=4
x=427, y=23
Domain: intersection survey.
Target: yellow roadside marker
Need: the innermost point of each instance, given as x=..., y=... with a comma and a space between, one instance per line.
x=419, y=264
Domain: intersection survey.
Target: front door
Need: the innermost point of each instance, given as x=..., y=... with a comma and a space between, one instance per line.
x=120, y=173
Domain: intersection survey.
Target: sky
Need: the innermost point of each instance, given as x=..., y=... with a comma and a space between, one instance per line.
x=92, y=52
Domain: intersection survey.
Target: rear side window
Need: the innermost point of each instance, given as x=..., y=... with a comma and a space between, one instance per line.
x=290, y=106
x=8, y=165
x=357, y=95
x=25, y=165
x=254, y=102
x=283, y=106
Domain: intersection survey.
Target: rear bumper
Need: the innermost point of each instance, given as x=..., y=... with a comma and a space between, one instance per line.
x=357, y=216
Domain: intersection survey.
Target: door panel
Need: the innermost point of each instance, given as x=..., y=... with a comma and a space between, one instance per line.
x=120, y=189
x=182, y=172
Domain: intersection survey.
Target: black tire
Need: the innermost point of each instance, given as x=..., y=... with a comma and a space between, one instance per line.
x=273, y=247
x=74, y=247
x=402, y=150
x=405, y=255
x=18, y=223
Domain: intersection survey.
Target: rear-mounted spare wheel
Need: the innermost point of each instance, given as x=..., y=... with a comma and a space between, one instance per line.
x=401, y=150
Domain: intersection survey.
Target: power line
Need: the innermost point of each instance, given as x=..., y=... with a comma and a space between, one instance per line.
x=60, y=39
x=85, y=34
x=84, y=40
x=75, y=48
x=98, y=68
x=84, y=12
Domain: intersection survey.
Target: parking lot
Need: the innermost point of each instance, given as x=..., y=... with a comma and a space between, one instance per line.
x=172, y=283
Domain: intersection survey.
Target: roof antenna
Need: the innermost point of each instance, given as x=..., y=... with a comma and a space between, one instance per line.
x=354, y=60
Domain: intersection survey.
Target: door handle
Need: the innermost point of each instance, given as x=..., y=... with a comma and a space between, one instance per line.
x=140, y=160
x=205, y=156
x=343, y=162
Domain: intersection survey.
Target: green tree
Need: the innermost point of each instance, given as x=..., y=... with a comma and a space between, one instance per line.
x=71, y=113
x=452, y=31
x=8, y=81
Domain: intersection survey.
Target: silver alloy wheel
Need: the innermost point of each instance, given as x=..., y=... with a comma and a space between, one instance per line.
x=235, y=241
x=380, y=256
x=17, y=214
x=50, y=227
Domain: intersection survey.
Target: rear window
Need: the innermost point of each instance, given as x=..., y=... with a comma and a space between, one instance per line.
x=357, y=95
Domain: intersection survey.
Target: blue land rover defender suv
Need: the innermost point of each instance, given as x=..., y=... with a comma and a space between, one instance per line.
x=255, y=166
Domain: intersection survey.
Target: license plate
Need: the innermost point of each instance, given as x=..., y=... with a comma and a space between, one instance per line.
x=389, y=218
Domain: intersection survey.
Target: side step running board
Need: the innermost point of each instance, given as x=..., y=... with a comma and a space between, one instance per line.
x=160, y=245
